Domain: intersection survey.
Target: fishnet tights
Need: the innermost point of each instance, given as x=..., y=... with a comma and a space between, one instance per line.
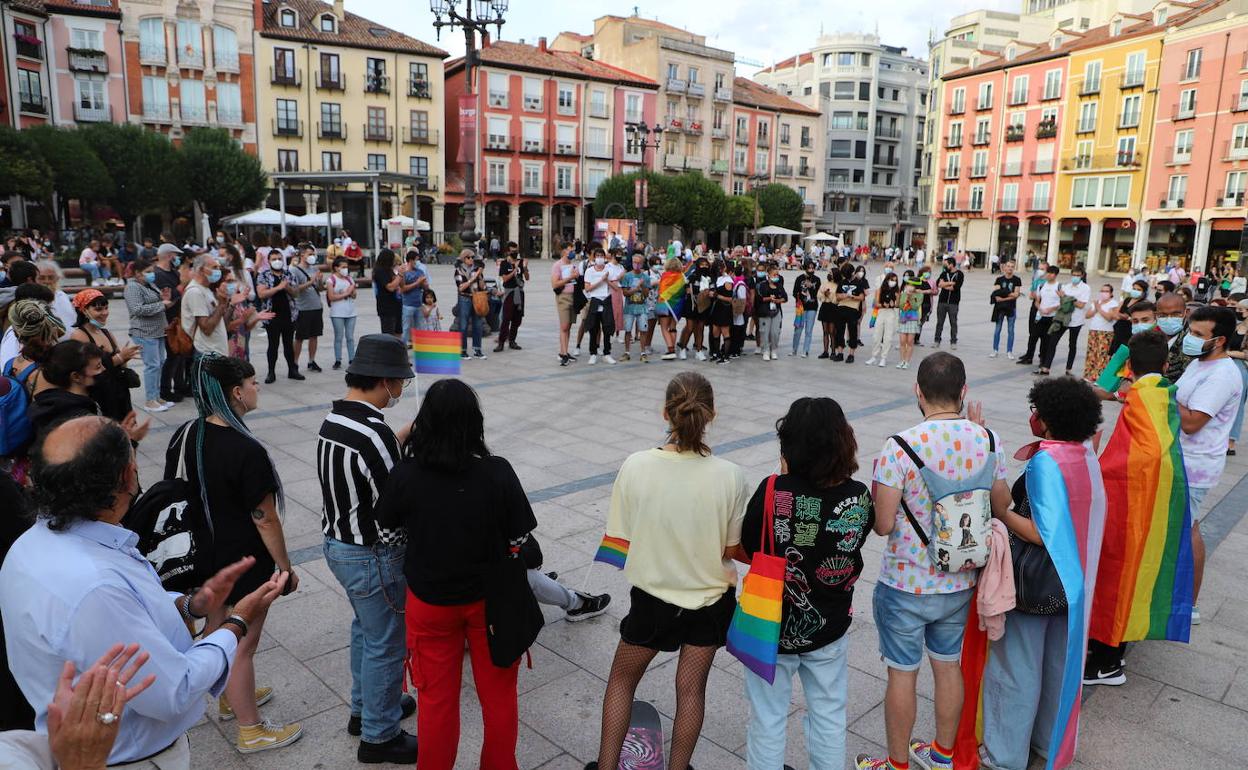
x=630, y=664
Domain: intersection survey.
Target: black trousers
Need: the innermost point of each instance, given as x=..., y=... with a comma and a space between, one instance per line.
x=845, y=326
x=1048, y=353
x=175, y=375
x=600, y=321
x=736, y=340
x=1048, y=342
x=513, y=315
x=282, y=333
x=1033, y=333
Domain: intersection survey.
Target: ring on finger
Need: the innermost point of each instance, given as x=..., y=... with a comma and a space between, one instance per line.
x=107, y=718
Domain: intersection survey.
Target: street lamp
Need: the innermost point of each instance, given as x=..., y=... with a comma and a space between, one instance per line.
x=756, y=183
x=477, y=16
x=899, y=211
x=835, y=199
x=638, y=135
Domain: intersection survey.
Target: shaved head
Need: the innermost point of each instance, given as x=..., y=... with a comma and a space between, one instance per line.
x=1171, y=303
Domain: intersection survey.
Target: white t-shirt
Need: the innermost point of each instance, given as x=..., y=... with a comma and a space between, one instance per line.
x=1050, y=300
x=1097, y=323
x=198, y=301
x=615, y=272
x=1212, y=387
x=593, y=274
x=345, y=307
x=1082, y=293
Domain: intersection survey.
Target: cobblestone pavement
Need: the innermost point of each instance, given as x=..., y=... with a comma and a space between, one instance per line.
x=1183, y=705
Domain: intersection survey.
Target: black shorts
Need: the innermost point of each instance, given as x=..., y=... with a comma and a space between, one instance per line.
x=657, y=625
x=309, y=325
x=721, y=313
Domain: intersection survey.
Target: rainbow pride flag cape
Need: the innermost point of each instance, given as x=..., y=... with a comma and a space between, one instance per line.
x=613, y=551
x=1144, y=586
x=671, y=294
x=1068, y=506
x=435, y=352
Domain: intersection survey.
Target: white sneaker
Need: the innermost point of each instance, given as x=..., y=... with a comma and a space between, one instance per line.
x=593, y=359
x=805, y=355
x=682, y=354
x=883, y=363
x=1010, y=356
x=993, y=354
x=871, y=361
x=758, y=351
x=1195, y=615
x=575, y=352
x=609, y=360
x=701, y=355
x=901, y=364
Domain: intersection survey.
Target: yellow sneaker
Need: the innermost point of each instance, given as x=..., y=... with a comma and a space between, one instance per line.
x=225, y=713
x=266, y=735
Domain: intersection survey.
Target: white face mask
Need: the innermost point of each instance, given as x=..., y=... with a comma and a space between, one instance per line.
x=599, y=261
x=344, y=271
x=277, y=264
x=394, y=400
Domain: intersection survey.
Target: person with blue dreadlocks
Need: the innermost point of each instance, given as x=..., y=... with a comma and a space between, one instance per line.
x=242, y=496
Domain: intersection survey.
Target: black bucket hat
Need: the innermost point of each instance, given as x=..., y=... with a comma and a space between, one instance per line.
x=380, y=355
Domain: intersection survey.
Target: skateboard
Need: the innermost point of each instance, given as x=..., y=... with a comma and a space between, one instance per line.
x=643, y=745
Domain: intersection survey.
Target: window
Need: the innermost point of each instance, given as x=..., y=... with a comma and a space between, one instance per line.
x=532, y=88
x=563, y=180
x=673, y=71
x=596, y=141
x=979, y=164
x=598, y=103
x=763, y=128
x=1176, y=190
x=327, y=22
x=1134, y=75
x=287, y=160
x=840, y=148
x=565, y=139
x=953, y=166
x=1115, y=191
x=331, y=119
x=86, y=39
x=229, y=103
x=152, y=40
x=497, y=130
x=632, y=108
x=864, y=92
x=1191, y=67
x=1115, y=28
x=1048, y=115
x=842, y=120
x=1084, y=191
x=984, y=101
x=531, y=135
x=224, y=48
x=376, y=126
x=981, y=130
x=1039, y=196
x=499, y=88
x=283, y=65
x=376, y=161
x=1183, y=145
x=842, y=90
x=418, y=124
x=418, y=165
x=1126, y=151
x=1009, y=197
x=845, y=59
x=331, y=74
x=1091, y=77
x=1022, y=84
x=190, y=43
x=955, y=134
x=496, y=176
x=738, y=187
x=1087, y=117
x=418, y=76
x=89, y=95
x=375, y=80
x=760, y=161
x=567, y=99
x=738, y=162
x=1083, y=154
x=1236, y=181
x=958, y=104
x=155, y=95
x=287, y=18
x=287, y=115
x=1159, y=17
x=785, y=130
x=1131, y=110
x=194, y=108
x=531, y=178
x=1239, y=140
x=1018, y=120
x=1053, y=84
x=1243, y=96
x=1187, y=103
x=593, y=178
x=331, y=161
x=951, y=199
x=977, y=197
x=693, y=75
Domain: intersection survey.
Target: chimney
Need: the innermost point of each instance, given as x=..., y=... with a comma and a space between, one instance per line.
x=541, y=44
x=340, y=10
x=485, y=39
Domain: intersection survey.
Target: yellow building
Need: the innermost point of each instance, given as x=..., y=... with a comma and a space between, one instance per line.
x=1106, y=136
x=336, y=92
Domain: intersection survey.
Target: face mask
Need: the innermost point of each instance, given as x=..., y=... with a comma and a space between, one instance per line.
x=277, y=264
x=344, y=271
x=231, y=288
x=215, y=275
x=1194, y=346
x=177, y=261
x=1134, y=293
x=888, y=270
x=220, y=239
x=759, y=273
x=149, y=276
x=1141, y=327
x=393, y=400
x=1107, y=295
x=599, y=261
x=96, y=323
x=1170, y=326
x=1075, y=280
x=1037, y=429
x=773, y=278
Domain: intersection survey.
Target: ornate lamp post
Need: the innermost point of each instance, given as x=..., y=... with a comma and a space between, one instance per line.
x=638, y=135
x=476, y=17
x=899, y=211
x=757, y=182
x=835, y=199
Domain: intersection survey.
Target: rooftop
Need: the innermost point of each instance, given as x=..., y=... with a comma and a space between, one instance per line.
x=353, y=31
x=538, y=58
x=750, y=94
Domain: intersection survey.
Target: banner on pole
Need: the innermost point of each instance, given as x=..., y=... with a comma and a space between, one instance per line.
x=467, y=129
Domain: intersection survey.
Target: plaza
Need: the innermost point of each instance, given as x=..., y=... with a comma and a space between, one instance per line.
x=566, y=431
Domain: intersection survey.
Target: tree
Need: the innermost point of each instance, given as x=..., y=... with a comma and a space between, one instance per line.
x=77, y=172
x=146, y=170
x=691, y=202
x=23, y=171
x=226, y=179
x=619, y=189
x=781, y=205
x=740, y=210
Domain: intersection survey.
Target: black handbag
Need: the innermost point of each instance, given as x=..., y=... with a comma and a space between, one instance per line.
x=129, y=377
x=513, y=618
x=1038, y=588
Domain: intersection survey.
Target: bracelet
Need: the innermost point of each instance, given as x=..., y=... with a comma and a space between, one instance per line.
x=190, y=595
x=185, y=610
x=237, y=621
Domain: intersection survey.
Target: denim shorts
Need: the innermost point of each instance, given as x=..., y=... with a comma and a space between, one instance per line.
x=909, y=624
x=1196, y=502
x=634, y=322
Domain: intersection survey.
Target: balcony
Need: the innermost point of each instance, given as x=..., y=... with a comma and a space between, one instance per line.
x=532, y=187
x=952, y=174
x=807, y=143
x=1090, y=87
x=719, y=167
x=1128, y=159
x=719, y=133
x=497, y=142
x=87, y=60
x=742, y=138
x=1172, y=203
x=784, y=170
x=334, y=130
x=281, y=76
x=531, y=145
x=983, y=105
x=951, y=206
x=378, y=133
x=695, y=91
x=566, y=148
x=694, y=128
x=35, y=104
x=805, y=172
x=981, y=139
x=953, y=141
x=1037, y=204
x=155, y=113
x=376, y=83
x=419, y=89
x=229, y=117
x=957, y=108
x=288, y=162
x=287, y=127
x=1179, y=156
x=420, y=135
x=1051, y=95
x=891, y=133
x=1012, y=169
x=1189, y=73
x=565, y=191
x=886, y=162
x=694, y=161
x=225, y=61
x=674, y=162
x=1077, y=163
x=1129, y=120
x=1042, y=166
x=566, y=109
x=331, y=81
x=194, y=113
x=763, y=141
x=978, y=172
x=193, y=59
x=153, y=54
x=497, y=99
x=92, y=113
x=740, y=168
x=723, y=94
x=1129, y=80
x=598, y=110
x=598, y=150
x=1230, y=199
x=674, y=124
x=502, y=187
x=1239, y=102
x=1015, y=133
x=677, y=85
x=427, y=183
x=1086, y=128
x=1183, y=113
x=1046, y=129
x=532, y=103
x=1017, y=98
x=1008, y=204
x=27, y=47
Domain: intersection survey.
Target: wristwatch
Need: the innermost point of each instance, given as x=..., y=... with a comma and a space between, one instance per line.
x=237, y=621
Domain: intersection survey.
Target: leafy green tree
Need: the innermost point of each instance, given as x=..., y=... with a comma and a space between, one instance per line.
x=691, y=202
x=146, y=170
x=781, y=205
x=619, y=189
x=226, y=179
x=77, y=172
x=23, y=171
x=741, y=211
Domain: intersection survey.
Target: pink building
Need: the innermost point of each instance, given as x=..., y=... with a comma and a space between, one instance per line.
x=85, y=62
x=1194, y=205
x=970, y=142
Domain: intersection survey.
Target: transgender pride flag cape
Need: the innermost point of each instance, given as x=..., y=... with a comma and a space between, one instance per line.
x=1068, y=505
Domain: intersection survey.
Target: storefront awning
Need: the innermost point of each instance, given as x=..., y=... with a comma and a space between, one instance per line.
x=1076, y=222
x=1119, y=224
x=1179, y=222
x=1228, y=223
x=1038, y=219
x=1008, y=219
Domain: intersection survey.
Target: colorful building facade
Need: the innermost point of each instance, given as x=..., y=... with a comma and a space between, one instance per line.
x=27, y=38
x=85, y=61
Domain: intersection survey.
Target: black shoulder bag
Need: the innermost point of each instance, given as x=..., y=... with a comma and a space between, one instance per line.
x=1038, y=588
x=513, y=618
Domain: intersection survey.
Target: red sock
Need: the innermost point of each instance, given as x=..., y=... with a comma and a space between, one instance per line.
x=895, y=765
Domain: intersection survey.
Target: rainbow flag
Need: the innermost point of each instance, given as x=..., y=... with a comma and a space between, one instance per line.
x=613, y=551
x=671, y=294
x=435, y=352
x=1067, y=499
x=1144, y=587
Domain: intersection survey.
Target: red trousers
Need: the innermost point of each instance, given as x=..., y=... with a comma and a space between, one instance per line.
x=435, y=637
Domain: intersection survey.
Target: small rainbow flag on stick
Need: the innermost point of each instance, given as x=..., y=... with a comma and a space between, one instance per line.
x=671, y=294
x=613, y=551
x=435, y=352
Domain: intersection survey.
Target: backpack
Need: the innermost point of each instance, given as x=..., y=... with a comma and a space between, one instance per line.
x=961, y=515
x=16, y=429
x=175, y=532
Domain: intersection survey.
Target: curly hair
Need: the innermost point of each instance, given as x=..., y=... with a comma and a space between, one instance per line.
x=817, y=442
x=78, y=488
x=1068, y=407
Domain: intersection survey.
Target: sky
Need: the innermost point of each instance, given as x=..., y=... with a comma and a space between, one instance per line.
x=760, y=30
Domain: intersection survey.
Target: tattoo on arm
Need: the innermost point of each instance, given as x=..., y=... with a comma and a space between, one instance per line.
x=257, y=514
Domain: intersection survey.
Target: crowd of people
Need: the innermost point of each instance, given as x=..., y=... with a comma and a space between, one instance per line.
x=157, y=610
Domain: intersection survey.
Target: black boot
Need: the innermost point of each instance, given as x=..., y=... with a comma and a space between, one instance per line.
x=401, y=749
x=270, y=378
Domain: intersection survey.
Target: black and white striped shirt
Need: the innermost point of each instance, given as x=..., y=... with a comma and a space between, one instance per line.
x=355, y=451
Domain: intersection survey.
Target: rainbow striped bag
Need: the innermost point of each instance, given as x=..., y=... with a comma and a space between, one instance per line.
x=754, y=635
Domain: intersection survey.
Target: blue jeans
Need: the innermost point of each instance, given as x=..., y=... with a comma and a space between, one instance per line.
x=1238, y=424
x=468, y=317
x=153, y=352
x=807, y=328
x=96, y=271
x=996, y=334
x=825, y=683
x=375, y=586
x=344, y=328
x=412, y=319
x=908, y=624
x=1022, y=683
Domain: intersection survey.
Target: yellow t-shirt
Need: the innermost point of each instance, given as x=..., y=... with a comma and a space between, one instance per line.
x=679, y=511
